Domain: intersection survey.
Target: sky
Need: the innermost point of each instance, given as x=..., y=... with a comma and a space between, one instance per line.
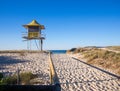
x=68, y=23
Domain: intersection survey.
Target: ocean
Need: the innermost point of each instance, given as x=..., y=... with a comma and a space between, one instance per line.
x=58, y=51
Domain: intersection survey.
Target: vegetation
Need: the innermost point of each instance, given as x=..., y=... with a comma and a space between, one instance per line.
x=116, y=48
x=24, y=78
x=71, y=50
x=21, y=51
x=1, y=76
x=103, y=58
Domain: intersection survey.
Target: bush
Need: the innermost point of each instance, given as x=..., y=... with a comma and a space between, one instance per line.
x=1, y=76
x=73, y=49
x=24, y=78
x=9, y=80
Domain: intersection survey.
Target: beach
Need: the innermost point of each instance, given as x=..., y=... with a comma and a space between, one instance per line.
x=73, y=74
x=37, y=63
x=77, y=76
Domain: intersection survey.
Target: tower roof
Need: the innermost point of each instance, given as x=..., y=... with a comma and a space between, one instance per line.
x=34, y=23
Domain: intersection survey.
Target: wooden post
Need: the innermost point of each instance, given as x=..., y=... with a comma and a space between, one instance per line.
x=27, y=44
x=41, y=44
x=18, y=76
x=30, y=45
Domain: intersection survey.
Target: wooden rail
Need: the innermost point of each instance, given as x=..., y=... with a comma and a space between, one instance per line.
x=53, y=75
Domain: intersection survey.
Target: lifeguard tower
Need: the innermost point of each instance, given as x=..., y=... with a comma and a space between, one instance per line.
x=34, y=33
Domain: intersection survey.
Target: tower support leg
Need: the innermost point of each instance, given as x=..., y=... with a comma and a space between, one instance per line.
x=41, y=44
x=28, y=45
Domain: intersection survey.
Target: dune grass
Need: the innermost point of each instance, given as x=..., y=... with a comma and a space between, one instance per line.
x=102, y=58
x=22, y=52
x=116, y=48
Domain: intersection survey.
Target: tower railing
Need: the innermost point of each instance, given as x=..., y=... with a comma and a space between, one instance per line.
x=26, y=36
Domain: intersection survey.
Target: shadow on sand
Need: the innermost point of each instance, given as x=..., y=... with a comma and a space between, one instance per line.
x=6, y=60
x=90, y=81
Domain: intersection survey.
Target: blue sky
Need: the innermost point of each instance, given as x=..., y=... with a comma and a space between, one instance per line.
x=69, y=23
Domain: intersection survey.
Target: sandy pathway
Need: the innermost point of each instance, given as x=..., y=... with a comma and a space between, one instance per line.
x=77, y=76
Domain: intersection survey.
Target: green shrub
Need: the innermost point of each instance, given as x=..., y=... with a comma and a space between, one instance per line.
x=73, y=49
x=10, y=80
x=24, y=78
x=1, y=76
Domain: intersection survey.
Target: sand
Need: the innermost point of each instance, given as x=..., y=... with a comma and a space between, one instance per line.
x=73, y=74
x=77, y=76
x=37, y=63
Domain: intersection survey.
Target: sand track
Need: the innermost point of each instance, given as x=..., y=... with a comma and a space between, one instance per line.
x=73, y=74
x=77, y=76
